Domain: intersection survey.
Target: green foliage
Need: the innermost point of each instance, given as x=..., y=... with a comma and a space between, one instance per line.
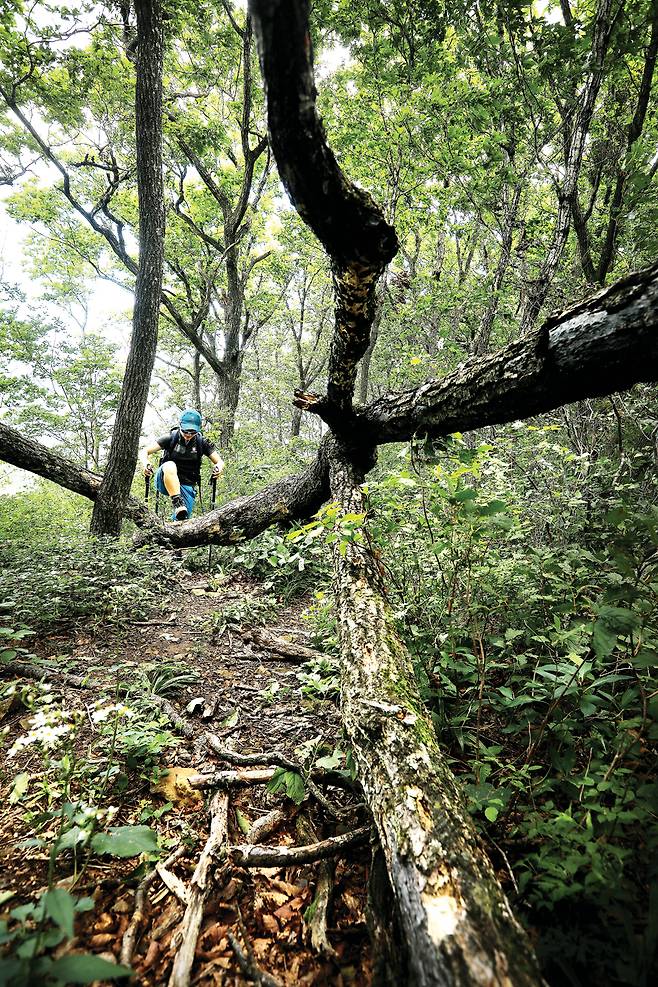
x=538, y=658
x=34, y=928
x=53, y=575
x=248, y=610
x=63, y=805
x=167, y=677
x=288, y=565
x=290, y=782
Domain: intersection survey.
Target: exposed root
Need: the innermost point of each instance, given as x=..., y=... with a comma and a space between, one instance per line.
x=198, y=892
x=316, y=915
x=130, y=935
x=289, y=856
x=295, y=653
x=266, y=825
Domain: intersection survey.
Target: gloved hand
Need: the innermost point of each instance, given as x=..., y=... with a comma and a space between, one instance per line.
x=216, y=471
x=148, y=470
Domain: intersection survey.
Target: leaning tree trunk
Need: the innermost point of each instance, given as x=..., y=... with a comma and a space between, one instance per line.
x=458, y=926
x=115, y=488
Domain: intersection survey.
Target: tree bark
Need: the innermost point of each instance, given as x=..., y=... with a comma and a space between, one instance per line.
x=605, y=344
x=458, y=926
x=345, y=219
x=114, y=490
x=599, y=347
x=575, y=138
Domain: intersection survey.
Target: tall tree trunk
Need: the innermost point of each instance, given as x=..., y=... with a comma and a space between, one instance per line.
x=296, y=421
x=364, y=369
x=115, y=488
x=575, y=138
x=228, y=393
x=632, y=135
x=482, y=341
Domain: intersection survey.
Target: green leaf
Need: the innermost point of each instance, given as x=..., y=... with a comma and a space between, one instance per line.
x=71, y=838
x=126, y=841
x=603, y=638
x=19, y=788
x=85, y=904
x=493, y=507
x=231, y=720
x=645, y=658
x=83, y=969
x=294, y=787
x=242, y=821
x=59, y=906
x=491, y=812
x=331, y=761
x=291, y=781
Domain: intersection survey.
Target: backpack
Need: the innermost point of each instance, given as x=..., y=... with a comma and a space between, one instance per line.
x=174, y=438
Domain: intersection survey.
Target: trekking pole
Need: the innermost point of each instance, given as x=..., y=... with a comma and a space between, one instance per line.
x=213, y=498
x=147, y=487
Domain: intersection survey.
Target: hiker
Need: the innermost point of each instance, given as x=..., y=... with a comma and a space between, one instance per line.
x=179, y=471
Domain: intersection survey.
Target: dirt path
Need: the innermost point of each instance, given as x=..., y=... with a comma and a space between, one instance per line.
x=251, y=700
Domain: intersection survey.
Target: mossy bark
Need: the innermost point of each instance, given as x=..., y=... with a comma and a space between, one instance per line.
x=457, y=925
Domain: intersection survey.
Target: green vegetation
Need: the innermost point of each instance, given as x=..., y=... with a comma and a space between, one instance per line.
x=520, y=562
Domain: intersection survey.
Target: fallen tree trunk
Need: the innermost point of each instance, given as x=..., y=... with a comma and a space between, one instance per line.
x=458, y=926
x=604, y=345
x=293, y=498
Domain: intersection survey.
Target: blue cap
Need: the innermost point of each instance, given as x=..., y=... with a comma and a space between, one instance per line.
x=190, y=420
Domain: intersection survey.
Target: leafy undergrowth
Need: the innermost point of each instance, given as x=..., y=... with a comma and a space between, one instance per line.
x=531, y=611
x=96, y=779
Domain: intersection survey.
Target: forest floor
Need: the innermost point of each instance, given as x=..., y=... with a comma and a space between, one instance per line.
x=250, y=699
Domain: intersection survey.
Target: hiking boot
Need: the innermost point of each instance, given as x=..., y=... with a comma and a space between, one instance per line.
x=180, y=510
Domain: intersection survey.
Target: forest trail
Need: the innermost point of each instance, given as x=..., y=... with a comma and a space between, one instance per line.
x=248, y=698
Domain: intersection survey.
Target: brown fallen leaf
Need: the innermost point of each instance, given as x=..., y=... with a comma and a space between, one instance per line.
x=104, y=923
x=289, y=909
x=267, y=898
x=102, y=939
x=289, y=889
x=213, y=935
x=270, y=923
x=174, y=787
x=152, y=955
x=261, y=947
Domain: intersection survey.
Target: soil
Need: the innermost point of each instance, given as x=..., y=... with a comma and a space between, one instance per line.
x=250, y=699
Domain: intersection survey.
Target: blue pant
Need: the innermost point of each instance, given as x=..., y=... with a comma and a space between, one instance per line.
x=187, y=493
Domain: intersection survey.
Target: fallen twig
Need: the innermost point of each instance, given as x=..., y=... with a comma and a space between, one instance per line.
x=231, y=779
x=249, y=967
x=180, y=724
x=172, y=883
x=316, y=915
x=288, y=856
x=249, y=760
x=266, y=825
x=295, y=653
x=130, y=935
x=198, y=890
x=40, y=672
x=274, y=759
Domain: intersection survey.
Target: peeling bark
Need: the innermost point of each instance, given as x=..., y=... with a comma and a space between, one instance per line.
x=606, y=344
